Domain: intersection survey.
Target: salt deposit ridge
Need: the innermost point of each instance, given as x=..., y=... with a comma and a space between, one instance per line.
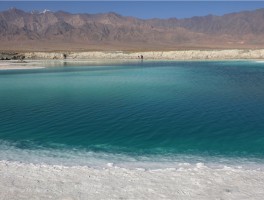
x=57, y=174
x=28, y=181
x=154, y=55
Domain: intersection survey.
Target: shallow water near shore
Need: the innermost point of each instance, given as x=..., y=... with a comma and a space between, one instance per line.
x=137, y=114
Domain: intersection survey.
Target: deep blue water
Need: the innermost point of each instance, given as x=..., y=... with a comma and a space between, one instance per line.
x=149, y=108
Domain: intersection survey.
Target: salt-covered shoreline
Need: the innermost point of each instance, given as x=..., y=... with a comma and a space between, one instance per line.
x=4, y=65
x=154, y=55
x=31, y=181
x=37, y=60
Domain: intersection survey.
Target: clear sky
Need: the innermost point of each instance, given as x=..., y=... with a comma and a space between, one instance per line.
x=141, y=9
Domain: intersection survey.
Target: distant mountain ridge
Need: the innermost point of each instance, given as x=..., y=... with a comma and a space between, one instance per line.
x=110, y=31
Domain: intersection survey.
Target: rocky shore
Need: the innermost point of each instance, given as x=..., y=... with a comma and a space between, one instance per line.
x=150, y=55
x=11, y=56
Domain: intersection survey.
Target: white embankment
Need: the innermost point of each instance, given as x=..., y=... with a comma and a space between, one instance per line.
x=155, y=55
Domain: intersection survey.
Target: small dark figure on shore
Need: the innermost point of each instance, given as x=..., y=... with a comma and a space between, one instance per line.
x=22, y=58
x=141, y=57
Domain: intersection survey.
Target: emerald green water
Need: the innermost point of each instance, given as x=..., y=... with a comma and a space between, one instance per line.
x=148, y=109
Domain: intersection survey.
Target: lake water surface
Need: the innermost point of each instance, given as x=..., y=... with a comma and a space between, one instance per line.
x=134, y=114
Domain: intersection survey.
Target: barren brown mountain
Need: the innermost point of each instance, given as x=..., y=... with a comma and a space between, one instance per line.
x=49, y=31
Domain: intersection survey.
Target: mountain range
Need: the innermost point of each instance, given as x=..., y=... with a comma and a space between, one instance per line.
x=51, y=31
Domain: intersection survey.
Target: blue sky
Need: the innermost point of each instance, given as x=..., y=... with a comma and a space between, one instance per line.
x=141, y=9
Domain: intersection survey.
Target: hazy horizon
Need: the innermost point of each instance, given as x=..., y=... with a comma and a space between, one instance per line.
x=139, y=9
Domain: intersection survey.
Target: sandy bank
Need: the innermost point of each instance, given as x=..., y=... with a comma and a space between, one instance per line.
x=154, y=55
x=28, y=181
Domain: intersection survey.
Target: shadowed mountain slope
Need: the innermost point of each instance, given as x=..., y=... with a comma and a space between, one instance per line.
x=60, y=30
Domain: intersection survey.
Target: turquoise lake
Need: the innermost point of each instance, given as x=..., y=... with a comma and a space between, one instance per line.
x=212, y=109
